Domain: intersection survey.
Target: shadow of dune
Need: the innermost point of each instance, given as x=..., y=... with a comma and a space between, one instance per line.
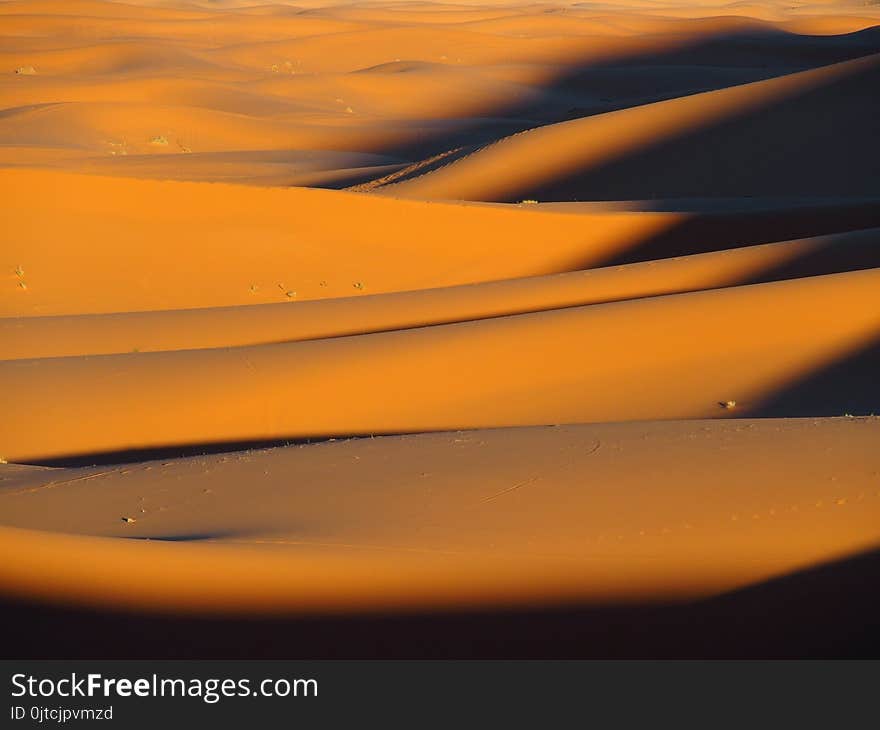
x=179, y=451
x=831, y=255
x=822, y=162
x=817, y=142
x=828, y=611
x=687, y=65
x=189, y=537
x=720, y=231
x=848, y=386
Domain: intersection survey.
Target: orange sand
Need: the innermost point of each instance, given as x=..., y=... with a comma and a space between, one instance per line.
x=451, y=519
x=579, y=253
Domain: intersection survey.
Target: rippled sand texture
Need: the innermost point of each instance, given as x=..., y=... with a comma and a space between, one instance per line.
x=324, y=312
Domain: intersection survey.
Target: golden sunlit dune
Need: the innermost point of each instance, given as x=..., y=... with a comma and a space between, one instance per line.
x=607, y=362
x=522, y=515
x=210, y=327
x=321, y=310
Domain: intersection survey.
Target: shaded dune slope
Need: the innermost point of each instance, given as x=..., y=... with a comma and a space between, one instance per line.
x=742, y=140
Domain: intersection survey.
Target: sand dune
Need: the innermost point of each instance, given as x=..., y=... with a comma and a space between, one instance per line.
x=188, y=329
x=321, y=311
x=597, y=363
x=90, y=244
x=679, y=146
x=471, y=518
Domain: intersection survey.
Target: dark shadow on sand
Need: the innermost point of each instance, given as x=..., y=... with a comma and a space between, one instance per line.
x=829, y=611
x=591, y=87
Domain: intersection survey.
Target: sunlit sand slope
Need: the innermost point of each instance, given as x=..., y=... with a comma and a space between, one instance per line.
x=185, y=329
x=609, y=512
x=678, y=356
x=80, y=244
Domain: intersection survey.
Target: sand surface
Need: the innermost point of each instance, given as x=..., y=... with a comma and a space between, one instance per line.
x=315, y=309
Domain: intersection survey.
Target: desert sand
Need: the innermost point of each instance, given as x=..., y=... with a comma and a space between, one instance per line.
x=398, y=328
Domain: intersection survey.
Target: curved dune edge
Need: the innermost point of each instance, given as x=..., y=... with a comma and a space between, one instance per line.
x=33, y=337
x=503, y=517
x=526, y=163
x=221, y=579
x=773, y=509
x=675, y=356
x=90, y=244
